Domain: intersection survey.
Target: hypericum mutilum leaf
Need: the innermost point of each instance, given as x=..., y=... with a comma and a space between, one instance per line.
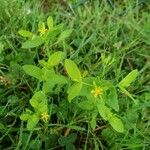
x=33, y=71
x=65, y=34
x=73, y=71
x=125, y=82
x=117, y=124
x=35, y=42
x=32, y=121
x=25, y=33
x=50, y=22
x=55, y=59
x=74, y=90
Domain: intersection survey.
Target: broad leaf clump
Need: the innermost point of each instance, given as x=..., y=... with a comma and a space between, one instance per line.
x=98, y=97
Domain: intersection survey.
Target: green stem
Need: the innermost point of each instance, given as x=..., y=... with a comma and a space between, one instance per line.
x=87, y=84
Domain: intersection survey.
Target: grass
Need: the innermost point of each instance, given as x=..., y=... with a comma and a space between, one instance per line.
x=108, y=40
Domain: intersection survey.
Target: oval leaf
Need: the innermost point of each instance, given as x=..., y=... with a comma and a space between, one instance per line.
x=72, y=70
x=86, y=105
x=74, y=90
x=129, y=78
x=50, y=22
x=112, y=99
x=93, y=121
x=37, y=41
x=32, y=122
x=48, y=86
x=127, y=93
x=33, y=71
x=38, y=99
x=104, y=111
x=65, y=34
x=117, y=124
x=25, y=116
x=25, y=33
x=55, y=59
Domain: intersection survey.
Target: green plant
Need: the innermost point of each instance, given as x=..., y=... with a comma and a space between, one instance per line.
x=97, y=96
x=108, y=41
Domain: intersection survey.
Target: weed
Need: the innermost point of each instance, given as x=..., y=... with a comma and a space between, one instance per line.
x=76, y=80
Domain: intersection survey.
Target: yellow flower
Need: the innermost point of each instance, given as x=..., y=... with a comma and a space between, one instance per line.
x=42, y=29
x=45, y=116
x=97, y=91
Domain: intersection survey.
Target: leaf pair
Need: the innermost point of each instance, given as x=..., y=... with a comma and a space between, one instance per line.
x=75, y=75
x=53, y=60
x=31, y=118
x=124, y=83
x=39, y=103
x=107, y=115
x=68, y=141
x=34, y=40
x=39, y=73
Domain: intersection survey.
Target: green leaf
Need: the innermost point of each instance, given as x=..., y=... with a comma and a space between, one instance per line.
x=35, y=144
x=86, y=105
x=25, y=116
x=25, y=33
x=70, y=146
x=43, y=63
x=42, y=108
x=93, y=120
x=63, y=141
x=38, y=101
x=50, y=22
x=65, y=34
x=112, y=99
x=74, y=90
x=33, y=71
x=51, y=79
x=34, y=103
x=127, y=93
x=117, y=124
x=48, y=86
x=107, y=115
x=53, y=33
x=40, y=97
x=28, y=111
x=129, y=78
x=104, y=111
x=35, y=42
x=32, y=122
x=72, y=138
x=72, y=70
x=48, y=73
x=55, y=59
x=108, y=133
x=93, y=123
x=60, y=79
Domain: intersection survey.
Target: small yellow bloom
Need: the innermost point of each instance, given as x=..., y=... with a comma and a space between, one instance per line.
x=42, y=29
x=97, y=91
x=45, y=116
